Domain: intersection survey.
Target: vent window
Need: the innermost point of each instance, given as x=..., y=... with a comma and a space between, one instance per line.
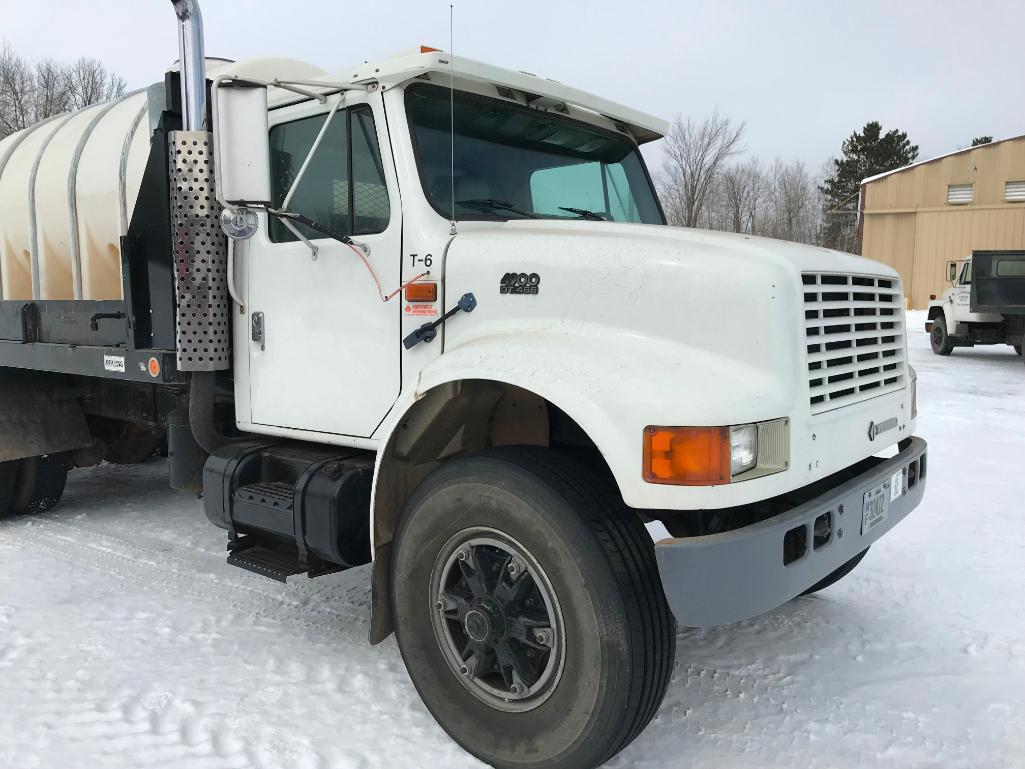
x=959, y=194
x=1014, y=192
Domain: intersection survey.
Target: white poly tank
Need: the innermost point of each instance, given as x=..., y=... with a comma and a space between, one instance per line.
x=68, y=187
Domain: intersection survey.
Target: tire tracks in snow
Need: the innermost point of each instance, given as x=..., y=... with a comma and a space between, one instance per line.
x=153, y=570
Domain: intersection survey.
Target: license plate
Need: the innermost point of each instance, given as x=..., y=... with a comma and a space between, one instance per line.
x=876, y=508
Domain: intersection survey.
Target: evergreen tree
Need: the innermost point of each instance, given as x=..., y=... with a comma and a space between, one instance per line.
x=865, y=154
x=978, y=140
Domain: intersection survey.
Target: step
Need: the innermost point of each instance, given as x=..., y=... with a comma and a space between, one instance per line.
x=266, y=506
x=275, y=559
x=267, y=561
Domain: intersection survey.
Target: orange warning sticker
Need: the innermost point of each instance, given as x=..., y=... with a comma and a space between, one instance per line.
x=154, y=367
x=420, y=311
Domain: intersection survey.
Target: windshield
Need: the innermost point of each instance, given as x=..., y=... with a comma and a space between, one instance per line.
x=513, y=162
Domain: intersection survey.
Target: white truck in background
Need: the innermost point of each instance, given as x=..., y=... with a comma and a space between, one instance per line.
x=957, y=318
x=450, y=334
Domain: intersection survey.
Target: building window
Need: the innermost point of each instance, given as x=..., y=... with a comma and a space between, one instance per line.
x=959, y=194
x=1014, y=192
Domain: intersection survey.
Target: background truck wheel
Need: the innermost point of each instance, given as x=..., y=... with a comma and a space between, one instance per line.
x=529, y=611
x=835, y=576
x=939, y=338
x=8, y=485
x=40, y=484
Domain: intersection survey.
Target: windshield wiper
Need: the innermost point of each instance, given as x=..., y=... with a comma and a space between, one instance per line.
x=490, y=204
x=583, y=213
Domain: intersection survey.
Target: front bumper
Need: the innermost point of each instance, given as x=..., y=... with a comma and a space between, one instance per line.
x=722, y=578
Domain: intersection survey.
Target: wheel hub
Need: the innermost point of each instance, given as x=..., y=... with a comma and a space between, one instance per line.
x=497, y=620
x=484, y=623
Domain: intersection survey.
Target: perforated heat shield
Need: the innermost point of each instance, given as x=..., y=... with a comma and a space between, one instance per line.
x=200, y=255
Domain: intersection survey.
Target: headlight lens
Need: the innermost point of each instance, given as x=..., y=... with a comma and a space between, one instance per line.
x=743, y=448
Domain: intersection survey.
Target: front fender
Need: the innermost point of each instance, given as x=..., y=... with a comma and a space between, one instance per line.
x=614, y=384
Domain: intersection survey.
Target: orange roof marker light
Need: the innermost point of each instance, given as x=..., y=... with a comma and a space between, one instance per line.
x=429, y=49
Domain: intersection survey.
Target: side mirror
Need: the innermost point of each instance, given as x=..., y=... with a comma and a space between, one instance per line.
x=951, y=271
x=241, y=143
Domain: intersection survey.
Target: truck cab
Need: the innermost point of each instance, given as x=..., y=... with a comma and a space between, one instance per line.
x=426, y=314
x=953, y=320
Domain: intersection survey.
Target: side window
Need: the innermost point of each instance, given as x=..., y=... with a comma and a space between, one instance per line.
x=371, y=209
x=966, y=274
x=347, y=160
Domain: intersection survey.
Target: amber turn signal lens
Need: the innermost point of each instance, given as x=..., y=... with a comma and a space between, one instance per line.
x=422, y=292
x=687, y=456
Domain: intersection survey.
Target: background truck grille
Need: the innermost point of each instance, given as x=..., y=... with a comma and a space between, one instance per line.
x=854, y=326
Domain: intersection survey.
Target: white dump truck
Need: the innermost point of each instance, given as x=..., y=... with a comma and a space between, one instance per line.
x=964, y=316
x=449, y=333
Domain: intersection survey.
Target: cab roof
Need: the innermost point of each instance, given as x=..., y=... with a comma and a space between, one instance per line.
x=424, y=61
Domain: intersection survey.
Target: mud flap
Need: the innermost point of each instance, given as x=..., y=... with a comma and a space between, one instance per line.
x=38, y=416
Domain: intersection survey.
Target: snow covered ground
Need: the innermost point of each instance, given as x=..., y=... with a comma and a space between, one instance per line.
x=126, y=641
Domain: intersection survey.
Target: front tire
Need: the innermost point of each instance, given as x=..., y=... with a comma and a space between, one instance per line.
x=529, y=611
x=939, y=338
x=835, y=576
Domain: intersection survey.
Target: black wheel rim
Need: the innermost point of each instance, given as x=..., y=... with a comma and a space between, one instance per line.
x=497, y=620
x=937, y=337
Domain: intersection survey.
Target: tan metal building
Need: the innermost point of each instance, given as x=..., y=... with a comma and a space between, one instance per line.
x=919, y=217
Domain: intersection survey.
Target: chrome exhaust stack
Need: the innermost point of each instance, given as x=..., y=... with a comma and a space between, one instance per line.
x=192, y=60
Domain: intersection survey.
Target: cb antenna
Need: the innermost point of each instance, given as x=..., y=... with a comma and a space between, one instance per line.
x=451, y=120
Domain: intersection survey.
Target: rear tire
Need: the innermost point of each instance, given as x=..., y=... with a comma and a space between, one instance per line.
x=8, y=485
x=40, y=484
x=939, y=338
x=610, y=636
x=835, y=576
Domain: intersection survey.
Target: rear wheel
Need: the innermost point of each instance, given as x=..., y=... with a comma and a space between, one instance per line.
x=939, y=338
x=835, y=576
x=40, y=484
x=529, y=611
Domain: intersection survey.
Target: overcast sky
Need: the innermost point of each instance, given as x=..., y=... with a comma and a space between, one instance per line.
x=802, y=75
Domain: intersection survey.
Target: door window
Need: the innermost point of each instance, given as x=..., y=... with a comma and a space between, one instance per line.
x=966, y=274
x=343, y=188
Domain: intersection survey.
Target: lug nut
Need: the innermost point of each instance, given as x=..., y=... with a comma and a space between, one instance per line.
x=461, y=555
x=440, y=606
x=517, y=689
x=464, y=670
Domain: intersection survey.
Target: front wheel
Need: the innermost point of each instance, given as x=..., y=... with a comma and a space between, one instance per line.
x=529, y=610
x=939, y=338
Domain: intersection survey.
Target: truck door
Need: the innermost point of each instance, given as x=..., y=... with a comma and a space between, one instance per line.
x=324, y=354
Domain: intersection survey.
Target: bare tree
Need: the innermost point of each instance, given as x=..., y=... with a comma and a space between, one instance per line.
x=695, y=154
x=794, y=210
x=30, y=93
x=742, y=192
x=17, y=89
x=91, y=83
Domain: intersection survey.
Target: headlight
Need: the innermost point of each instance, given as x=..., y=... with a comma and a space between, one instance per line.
x=914, y=392
x=710, y=456
x=743, y=448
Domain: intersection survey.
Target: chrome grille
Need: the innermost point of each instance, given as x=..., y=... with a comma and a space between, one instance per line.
x=854, y=328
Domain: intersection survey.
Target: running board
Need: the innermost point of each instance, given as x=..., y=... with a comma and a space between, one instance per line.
x=270, y=559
